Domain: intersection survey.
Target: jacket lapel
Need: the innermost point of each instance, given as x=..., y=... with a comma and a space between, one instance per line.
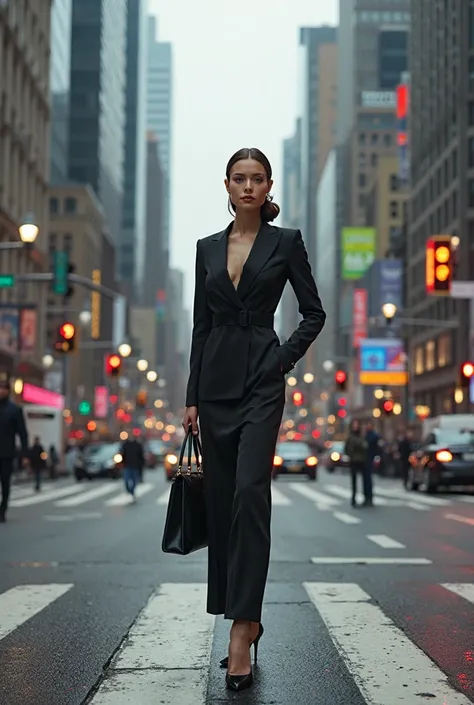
x=217, y=259
x=265, y=243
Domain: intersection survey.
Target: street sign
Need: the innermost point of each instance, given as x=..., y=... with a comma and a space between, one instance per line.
x=462, y=290
x=84, y=407
x=60, y=272
x=6, y=281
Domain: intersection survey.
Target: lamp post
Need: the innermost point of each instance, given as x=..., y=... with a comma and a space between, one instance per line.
x=28, y=231
x=389, y=311
x=125, y=350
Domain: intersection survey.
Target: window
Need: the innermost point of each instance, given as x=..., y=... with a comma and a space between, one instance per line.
x=393, y=182
x=470, y=152
x=361, y=137
x=444, y=351
x=374, y=159
x=394, y=210
x=53, y=205
x=374, y=138
x=362, y=180
x=471, y=193
x=419, y=361
x=430, y=355
x=70, y=205
x=362, y=159
x=387, y=140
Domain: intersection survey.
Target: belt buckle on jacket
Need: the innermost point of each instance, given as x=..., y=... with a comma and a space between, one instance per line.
x=244, y=319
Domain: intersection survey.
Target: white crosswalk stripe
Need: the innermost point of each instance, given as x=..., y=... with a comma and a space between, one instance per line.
x=19, y=604
x=125, y=498
x=314, y=495
x=40, y=497
x=164, y=498
x=88, y=496
x=279, y=499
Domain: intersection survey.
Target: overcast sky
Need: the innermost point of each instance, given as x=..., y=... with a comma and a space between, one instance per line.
x=235, y=85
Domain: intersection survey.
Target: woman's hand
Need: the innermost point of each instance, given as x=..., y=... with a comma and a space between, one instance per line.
x=190, y=418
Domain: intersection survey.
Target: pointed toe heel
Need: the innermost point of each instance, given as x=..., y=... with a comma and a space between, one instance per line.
x=225, y=661
x=239, y=682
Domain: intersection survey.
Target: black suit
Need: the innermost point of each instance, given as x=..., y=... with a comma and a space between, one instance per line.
x=237, y=382
x=12, y=424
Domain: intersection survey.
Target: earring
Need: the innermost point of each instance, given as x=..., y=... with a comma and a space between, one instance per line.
x=269, y=197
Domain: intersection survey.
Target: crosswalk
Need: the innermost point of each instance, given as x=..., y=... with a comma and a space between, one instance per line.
x=167, y=655
x=326, y=497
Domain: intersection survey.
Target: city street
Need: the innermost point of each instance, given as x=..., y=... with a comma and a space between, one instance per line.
x=362, y=605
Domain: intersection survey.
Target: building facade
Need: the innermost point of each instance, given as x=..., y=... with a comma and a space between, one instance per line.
x=24, y=176
x=442, y=192
x=132, y=243
x=159, y=107
x=60, y=76
x=97, y=106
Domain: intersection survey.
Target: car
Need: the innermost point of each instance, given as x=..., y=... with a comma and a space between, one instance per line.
x=154, y=453
x=445, y=458
x=105, y=462
x=335, y=457
x=294, y=458
x=171, y=461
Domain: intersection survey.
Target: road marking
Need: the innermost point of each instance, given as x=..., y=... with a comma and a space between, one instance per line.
x=279, y=499
x=419, y=507
x=376, y=651
x=314, y=495
x=346, y=518
x=20, y=603
x=420, y=498
x=346, y=493
x=166, y=654
x=72, y=517
x=470, y=500
x=460, y=518
x=126, y=498
x=384, y=541
x=371, y=561
x=39, y=497
x=164, y=498
x=464, y=590
x=88, y=496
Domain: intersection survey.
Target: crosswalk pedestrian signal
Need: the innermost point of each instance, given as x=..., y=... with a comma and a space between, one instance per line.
x=466, y=373
x=341, y=380
x=66, y=338
x=439, y=265
x=113, y=364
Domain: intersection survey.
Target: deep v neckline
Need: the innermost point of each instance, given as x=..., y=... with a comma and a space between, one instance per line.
x=245, y=262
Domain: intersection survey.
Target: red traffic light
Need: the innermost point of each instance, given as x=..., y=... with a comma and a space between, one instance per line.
x=297, y=398
x=467, y=370
x=340, y=376
x=439, y=265
x=388, y=406
x=67, y=331
x=342, y=401
x=113, y=363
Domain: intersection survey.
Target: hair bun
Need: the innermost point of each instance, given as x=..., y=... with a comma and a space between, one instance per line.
x=269, y=211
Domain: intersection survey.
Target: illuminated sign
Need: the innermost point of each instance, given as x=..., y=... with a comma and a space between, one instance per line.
x=378, y=99
x=438, y=265
x=44, y=397
x=95, y=306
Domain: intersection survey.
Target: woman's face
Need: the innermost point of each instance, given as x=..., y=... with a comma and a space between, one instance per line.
x=355, y=426
x=248, y=185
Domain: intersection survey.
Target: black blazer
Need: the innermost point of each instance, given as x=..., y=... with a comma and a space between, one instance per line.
x=12, y=424
x=220, y=353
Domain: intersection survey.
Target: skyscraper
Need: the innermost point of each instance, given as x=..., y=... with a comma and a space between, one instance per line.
x=159, y=106
x=97, y=119
x=60, y=79
x=132, y=242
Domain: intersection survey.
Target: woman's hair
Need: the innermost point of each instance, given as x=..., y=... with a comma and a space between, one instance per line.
x=269, y=211
x=355, y=426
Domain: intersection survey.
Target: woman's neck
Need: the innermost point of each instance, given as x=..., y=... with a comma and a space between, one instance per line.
x=246, y=223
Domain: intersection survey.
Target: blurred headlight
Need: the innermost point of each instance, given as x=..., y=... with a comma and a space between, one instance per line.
x=444, y=456
x=171, y=459
x=335, y=456
x=277, y=460
x=311, y=461
x=118, y=458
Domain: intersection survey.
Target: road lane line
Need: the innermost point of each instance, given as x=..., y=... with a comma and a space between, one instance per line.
x=376, y=651
x=126, y=498
x=385, y=541
x=166, y=654
x=370, y=561
x=20, y=603
x=346, y=493
x=420, y=498
x=460, y=518
x=346, y=518
x=88, y=496
x=419, y=507
x=469, y=500
x=314, y=495
x=279, y=499
x=40, y=497
x=464, y=590
x=164, y=498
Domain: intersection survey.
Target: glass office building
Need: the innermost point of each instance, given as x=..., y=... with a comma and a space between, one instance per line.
x=60, y=69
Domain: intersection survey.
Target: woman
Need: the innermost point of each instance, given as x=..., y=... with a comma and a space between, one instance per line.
x=356, y=450
x=237, y=384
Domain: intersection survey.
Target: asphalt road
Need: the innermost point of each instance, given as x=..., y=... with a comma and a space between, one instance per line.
x=362, y=605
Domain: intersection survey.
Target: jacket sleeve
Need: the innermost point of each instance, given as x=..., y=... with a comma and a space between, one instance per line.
x=309, y=306
x=21, y=430
x=202, y=324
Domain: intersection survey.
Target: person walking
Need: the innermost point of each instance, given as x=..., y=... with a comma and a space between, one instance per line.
x=133, y=459
x=236, y=387
x=356, y=450
x=12, y=424
x=37, y=458
x=373, y=450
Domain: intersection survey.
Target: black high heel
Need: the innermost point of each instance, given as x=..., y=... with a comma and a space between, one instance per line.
x=225, y=661
x=239, y=682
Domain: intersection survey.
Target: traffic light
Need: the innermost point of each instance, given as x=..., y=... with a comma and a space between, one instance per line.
x=298, y=398
x=439, y=265
x=388, y=406
x=466, y=373
x=341, y=380
x=66, y=338
x=113, y=364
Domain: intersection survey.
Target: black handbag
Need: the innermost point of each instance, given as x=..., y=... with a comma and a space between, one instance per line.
x=185, y=526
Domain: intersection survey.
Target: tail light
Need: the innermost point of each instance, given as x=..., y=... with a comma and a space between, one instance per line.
x=277, y=460
x=311, y=461
x=444, y=456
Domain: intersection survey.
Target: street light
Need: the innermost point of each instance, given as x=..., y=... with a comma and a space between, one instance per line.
x=125, y=350
x=389, y=310
x=28, y=229
x=142, y=365
x=151, y=376
x=85, y=317
x=328, y=366
x=48, y=360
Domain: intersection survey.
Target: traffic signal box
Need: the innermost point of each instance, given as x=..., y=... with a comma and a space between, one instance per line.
x=66, y=338
x=113, y=365
x=439, y=265
x=465, y=374
x=340, y=379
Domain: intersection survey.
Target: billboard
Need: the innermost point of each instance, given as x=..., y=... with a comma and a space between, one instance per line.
x=358, y=251
x=391, y=282
x=359, y=328
x=383, y=362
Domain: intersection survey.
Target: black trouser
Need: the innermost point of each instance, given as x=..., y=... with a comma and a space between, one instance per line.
x=6, y=470
x=365, y=469
x=37, y=474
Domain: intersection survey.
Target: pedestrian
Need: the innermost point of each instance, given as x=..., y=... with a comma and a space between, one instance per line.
x=12, y=424
x=237, y=386
x=373, y=450
x=53, y=461
x=133, y=460
x=405, y=448
x=356, y=450
x=37, y=458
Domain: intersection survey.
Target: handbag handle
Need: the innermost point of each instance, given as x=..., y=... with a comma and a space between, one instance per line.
x=193, y=443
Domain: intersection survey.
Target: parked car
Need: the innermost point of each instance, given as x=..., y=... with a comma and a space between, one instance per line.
x=294, y=458
x=445, y=458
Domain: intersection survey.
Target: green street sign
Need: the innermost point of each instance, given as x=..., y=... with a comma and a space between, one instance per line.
x=60, y=272
x=6, y=281
x=84, y=407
